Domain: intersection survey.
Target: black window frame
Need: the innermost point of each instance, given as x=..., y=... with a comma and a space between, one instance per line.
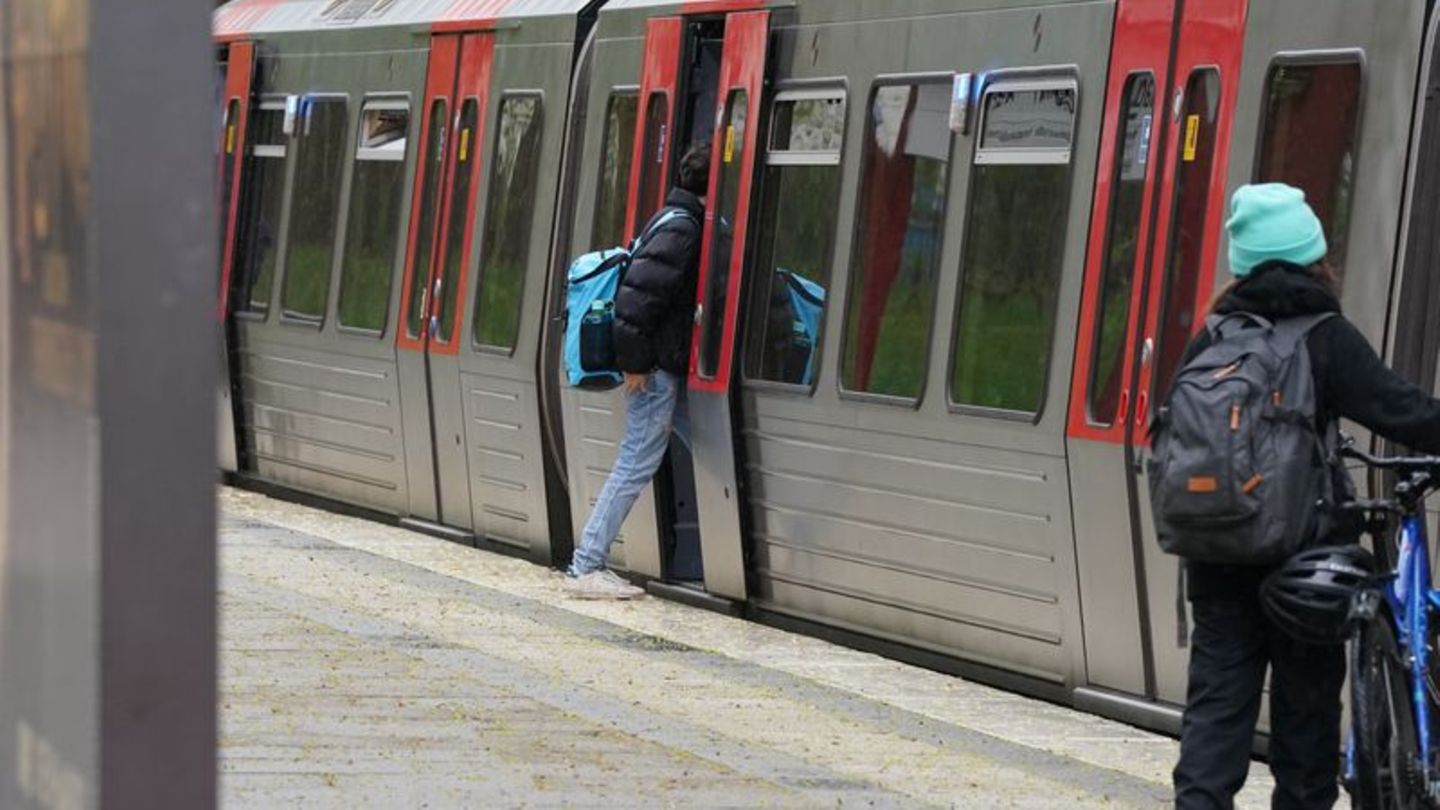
x=616, y=92
x=407, y=159
x=1046, y=77
x=242, y=305
x=282, y=271
x=854, y=259
x=1316, y=58
x=467, y=328
x=837, y=88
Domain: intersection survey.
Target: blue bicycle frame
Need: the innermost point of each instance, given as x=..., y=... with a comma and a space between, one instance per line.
x=1411, y=599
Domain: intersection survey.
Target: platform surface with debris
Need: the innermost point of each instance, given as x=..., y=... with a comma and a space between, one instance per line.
x=365, y=666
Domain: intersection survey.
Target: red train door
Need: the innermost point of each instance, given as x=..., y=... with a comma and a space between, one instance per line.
x=234, y=129
x=659, y=91
x=735, y=146
x=1158, y=210
x=438, y=255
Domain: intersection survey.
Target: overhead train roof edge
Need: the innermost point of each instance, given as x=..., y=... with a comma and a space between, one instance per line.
x=243, y=19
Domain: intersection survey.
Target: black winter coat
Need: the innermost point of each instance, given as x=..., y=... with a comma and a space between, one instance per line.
x=1351, y=382
x=655, y=305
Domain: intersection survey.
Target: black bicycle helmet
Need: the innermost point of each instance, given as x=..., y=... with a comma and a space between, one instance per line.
x=1309, y=596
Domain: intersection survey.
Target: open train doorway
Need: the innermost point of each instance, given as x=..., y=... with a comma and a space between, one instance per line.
x=679, y=518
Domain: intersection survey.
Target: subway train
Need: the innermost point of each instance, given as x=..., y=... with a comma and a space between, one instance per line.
x=952, y=251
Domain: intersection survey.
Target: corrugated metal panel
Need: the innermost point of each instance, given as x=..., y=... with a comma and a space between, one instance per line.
x=247, y=17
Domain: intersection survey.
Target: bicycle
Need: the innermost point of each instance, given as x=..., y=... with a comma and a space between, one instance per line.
x=1390, y=758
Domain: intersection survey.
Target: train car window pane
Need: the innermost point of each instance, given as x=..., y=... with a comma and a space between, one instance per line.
x=1028, y=118
x=372, y=233
x=1187, y=223
x=229, y=145
x=616, y=155
x=430, y=186
x=800, y=189
x=263, y=192
x=901, y=226
x=727, y=201
x=465, y=153
x=319, y=164
x=1311, y=112
x=514, y=173
x=652, y=157
x=1014, y=247
x=1112, y=318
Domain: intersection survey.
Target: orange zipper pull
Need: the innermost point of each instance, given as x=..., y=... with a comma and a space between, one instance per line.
x=1235, y=417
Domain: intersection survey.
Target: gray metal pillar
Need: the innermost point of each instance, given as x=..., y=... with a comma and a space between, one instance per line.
x=107, y=549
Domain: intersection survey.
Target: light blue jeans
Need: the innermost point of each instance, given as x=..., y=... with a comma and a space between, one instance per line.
x=650, y=416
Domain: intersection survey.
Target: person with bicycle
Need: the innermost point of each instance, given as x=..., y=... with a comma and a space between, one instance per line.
x=1277, y=255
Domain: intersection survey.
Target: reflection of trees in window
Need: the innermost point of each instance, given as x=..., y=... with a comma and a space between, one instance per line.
x=1309, y=139
x=514, y=173
x=800, y=189
x=1112, y=318
x=263, y=191
x=372, y=232
x=895, y=269
x=319, y=162
x=616, y=156
x=1015, y=243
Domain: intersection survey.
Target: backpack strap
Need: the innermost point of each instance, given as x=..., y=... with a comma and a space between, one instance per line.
x=1290, y=331
x=656, y=222
x=1219, y=325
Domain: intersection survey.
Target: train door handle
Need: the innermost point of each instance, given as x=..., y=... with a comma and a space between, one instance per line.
x=438, y=286
x=1147, y=352
x=1142, y=409
x=1124, y=410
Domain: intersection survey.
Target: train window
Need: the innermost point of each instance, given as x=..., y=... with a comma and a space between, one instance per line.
x=1112, y=318
x=514, y=175
x=319, y=164
x=727, y=201
x=230, y=138
x=459, y=213
x=613, y=197
x=429, y=198
x=895, y=269
x=801, y=186
x=1187, y=223
x=1309, y=137
x=372, y=235
x=1015, y=242
x=652, y=157
x=263, y=192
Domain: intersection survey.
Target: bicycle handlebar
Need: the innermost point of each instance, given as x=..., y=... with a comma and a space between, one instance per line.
x=1402, y=463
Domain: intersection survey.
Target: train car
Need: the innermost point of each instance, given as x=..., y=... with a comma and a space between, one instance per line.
x=952, y=251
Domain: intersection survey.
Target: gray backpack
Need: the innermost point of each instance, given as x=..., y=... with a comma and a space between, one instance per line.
x=1240, y=473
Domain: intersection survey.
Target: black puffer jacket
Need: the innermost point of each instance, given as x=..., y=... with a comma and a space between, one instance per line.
x=655, y=305
x=1351, y=381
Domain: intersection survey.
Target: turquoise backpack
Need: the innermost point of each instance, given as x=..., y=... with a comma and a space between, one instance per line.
x=590, y=287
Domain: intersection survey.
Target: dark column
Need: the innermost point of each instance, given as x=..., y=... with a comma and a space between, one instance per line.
x=107, y=546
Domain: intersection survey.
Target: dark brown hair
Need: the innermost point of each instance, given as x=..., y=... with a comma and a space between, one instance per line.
x=694, y=172
x=1322, y=271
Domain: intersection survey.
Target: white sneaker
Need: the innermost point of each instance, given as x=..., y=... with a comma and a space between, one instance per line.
x=602, y=584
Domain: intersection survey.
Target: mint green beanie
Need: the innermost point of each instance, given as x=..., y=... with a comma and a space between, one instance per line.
x=1270, y=221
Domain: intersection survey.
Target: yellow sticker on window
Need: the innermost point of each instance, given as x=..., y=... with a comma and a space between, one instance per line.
x=1192, y=136
x=230, y=140
x=729, y=143
x=464, y=144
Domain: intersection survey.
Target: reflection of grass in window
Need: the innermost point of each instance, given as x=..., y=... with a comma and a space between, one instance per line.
x=1003, y=348
x=497, y=315
x=307, y=279
x=900, y=355
x=365, y=293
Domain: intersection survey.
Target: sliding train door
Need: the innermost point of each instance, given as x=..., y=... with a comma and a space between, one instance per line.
x=1159, y=210
x=234, y=127
x=722, y=266
x=440, y=243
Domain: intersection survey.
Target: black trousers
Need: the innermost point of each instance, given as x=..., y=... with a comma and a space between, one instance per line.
x=1231, y=646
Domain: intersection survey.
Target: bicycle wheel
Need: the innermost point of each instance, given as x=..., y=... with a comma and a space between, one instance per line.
x=1387, y=758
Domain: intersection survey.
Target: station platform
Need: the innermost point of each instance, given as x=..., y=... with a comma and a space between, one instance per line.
x=363, y=665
